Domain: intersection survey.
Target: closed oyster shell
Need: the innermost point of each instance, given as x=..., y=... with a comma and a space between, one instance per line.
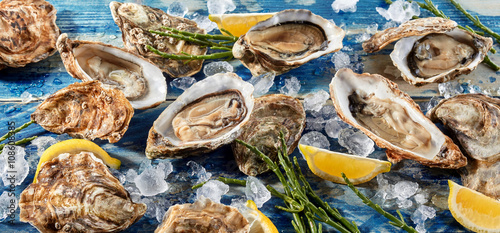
x=376, y=106
x=77, y=193
x=286, y=41
x=483, y=177
x=271, y=115
x=206, y=116
x=136, y=20
x=29, y=32
x=86, y=110
x=203, y=216
x=142, y=82
x=475, y=121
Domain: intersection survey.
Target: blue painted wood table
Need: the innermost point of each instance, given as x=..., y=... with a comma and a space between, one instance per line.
x=91, y=20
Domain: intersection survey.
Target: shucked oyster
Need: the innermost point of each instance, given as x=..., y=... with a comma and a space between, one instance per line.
x=392, y=119
x=29, y=32
x=206, y=116
x=86, y=110
x=77, y=193
x=475, y=120
x=135, y=21
x=142, y=82
x=432, y=49
x=286, y=41
x=203, y=216
x=271, y=115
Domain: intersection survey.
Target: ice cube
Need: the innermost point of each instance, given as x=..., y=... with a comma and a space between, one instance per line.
x=13, y=167
x=262, y=83
x=400, y=11
x=220, y=6
x=327, y=112
x=291, y=87
x=217, y=67
x=256, y=191
x=423, y=213
x=42, y=143
x=341, y=60
x=344, y=5
x=421, y=198
x=212, y=190
x=199, y=171
x=362, y=37
x=203, y=22
x=333, y=127
x=120, y=176
x=316, y=139
x=130, y=175
x=431, y=104
x=183, y=83
x=177, y=9
x=8, y=202
x=161, y=206
x=166, y=166
x=356, y=142
x=450, y=88
x=420, y=228
x=404, y=203
x=316, y=100
x=315, y=123
x=151, y=181
x=26, y=97
x=405, y=189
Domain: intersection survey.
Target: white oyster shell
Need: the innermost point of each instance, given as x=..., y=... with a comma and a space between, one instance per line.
x=142, y=82
x=183, y=130
x=392, y=119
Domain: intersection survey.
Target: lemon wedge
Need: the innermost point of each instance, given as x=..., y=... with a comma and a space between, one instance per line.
x=74, y=146
x=238, y=24
x=473, y=210
x=260, y=223
x=329, y=165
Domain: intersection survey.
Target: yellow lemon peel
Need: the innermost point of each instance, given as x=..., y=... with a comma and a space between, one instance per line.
x=238, y=24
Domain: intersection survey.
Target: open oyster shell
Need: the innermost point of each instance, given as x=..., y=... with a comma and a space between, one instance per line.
x=392, y=119
x=142, y=82
x=77, y=193
x=136, y=20
x=206, y=116
x=475, y=120
x=271, y=115
x=286, y=41
x=203, y=215
x=29, y=32
x=86, y=110
x=431, y=50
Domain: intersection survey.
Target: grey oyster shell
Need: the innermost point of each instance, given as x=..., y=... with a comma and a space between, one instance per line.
x=483, y=177
x=77, y=193
x=136, y=20
x=271, y=115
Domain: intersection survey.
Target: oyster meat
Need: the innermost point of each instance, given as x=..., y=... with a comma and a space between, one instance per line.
x=271, y=115
x=475, y=121
x=431, y=49
x=206, y=116
x=142, y=82
x=77, y=193
x=286, y=41
x=203, y=216
x=86, y=110
x=29, y=32
x=376, y=106
x=135, y=22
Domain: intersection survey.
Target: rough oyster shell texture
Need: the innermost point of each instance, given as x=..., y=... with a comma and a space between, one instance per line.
x=136, y=20
x=77, y=193
x=203, y=216
x=431, y=50
x=206, y=116
x=29, y=32
x=271, y=115
x=86, y=110
x=376, y=106
x=483, y=177
x=286, y=41
x=142, y=82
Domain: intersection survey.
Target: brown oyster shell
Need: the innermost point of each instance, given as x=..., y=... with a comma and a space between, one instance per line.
x=404, y=127
x=29, y=32
x=271, y=115
x=77, y=193
x=203, y=216
x=475, y=121
x=136, y=35
x=483, y=177
x=86, y=110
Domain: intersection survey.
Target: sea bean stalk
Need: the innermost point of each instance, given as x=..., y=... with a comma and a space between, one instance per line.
x=13, y=132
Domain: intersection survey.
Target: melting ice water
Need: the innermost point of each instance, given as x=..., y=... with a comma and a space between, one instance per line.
x=212, y=190
x=217, y=67
x=344, y=5
x=183, y=83
x=256, y=191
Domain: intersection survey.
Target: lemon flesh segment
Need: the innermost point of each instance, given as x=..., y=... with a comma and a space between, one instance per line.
x=238, y=24
x=262, y=224
x=329, y=165
x=74, y=146
x=473, y=210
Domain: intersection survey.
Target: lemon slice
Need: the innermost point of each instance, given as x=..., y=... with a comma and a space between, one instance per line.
x=74, y=146
x=261, y=223
x=474, y=210
x=329, y=165
x=239, y=24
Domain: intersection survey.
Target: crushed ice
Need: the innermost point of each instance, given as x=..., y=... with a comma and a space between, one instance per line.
x=316, y=139
x=217, y=67
x=356, y=142
x=291, y=87
x=177, y=9
x=344, y=5
x=262, y=83
x=314, y=101
x=183, y=83
x=12, y=161
x=151, y=181
x=256, y=191
x=199, y=171
x=400, y=11
x=213, y=190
